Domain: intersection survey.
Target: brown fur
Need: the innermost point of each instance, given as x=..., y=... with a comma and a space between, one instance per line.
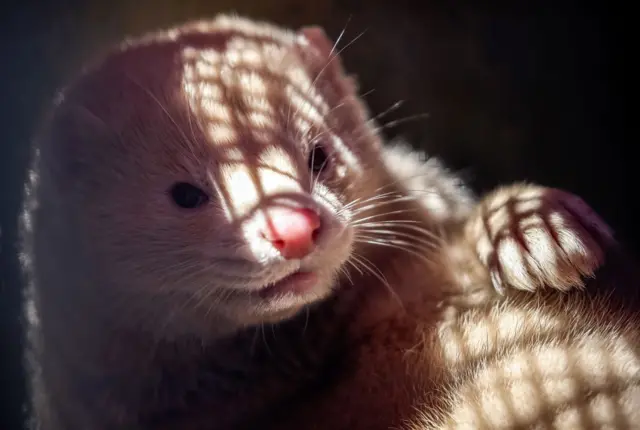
x=125, y=336
x=463, y=357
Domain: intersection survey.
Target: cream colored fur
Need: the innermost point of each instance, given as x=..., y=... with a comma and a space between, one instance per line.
x=530, y=361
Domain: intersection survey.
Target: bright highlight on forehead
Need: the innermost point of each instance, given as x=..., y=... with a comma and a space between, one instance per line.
x=253, y=89
x=254, y=98
x=273, y=173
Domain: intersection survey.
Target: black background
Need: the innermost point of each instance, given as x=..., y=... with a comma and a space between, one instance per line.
x=531, y=92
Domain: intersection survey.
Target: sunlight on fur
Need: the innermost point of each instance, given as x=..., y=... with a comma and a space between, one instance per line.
x=530, y=237
x=535, y=367
x=238, y=93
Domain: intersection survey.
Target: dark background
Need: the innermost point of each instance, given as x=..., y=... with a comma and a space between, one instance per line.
x=521, y=92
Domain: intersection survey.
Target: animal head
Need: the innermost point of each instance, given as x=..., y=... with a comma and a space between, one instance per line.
x=217, y=170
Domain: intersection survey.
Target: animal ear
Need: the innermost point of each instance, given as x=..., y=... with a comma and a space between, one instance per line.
x=318, y=39
x=325, y=58
x=325, y=55
x=71, y=139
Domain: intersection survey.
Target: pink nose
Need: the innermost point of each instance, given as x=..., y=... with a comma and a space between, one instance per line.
x=292, y=231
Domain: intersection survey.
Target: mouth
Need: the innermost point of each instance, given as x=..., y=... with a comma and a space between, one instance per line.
x=298, y=283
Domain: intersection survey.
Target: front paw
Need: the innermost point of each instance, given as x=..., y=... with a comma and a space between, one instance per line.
x=532, y=237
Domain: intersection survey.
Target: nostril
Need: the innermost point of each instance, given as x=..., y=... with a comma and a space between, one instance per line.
x=315, y=234
x=279, y=244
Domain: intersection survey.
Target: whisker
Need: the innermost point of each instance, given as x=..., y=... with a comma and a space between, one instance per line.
x=399, y=234
x=317, y=175
x=346, y=274
x=355, y=267
x=339, y=38
x=376, y=205
x=399, y=121
x=394, y=123
x=264, y=340
x=212, y=300
x=332, y=57
x=400, y=224
x=405, y=178
x=398, y=192
x=387, y=111
x=365, y=94
x=378, y=274
x=306, y=320
x=375, y=238
x=394, y=221
x=363, y=201
x=325, y=116
x=211, y=297
x=370, y=123
x=401, y=211
x=311, y=176
x=337, y=54
x=392, y=197
x=397, y=245
x=377, y=196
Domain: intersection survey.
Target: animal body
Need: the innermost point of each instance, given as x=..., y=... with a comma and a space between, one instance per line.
x=216, y=238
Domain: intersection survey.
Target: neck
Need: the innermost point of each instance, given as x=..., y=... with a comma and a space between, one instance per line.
x=105, y=365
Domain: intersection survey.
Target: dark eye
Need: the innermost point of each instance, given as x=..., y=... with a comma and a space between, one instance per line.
x=188, y=196
x=318, y=159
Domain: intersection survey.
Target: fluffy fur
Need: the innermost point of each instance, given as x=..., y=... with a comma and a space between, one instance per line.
x=146, y=316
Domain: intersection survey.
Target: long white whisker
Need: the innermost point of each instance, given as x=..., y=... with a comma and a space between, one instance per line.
x=336, y=55
x=399, y=121
x=376, y=197
x=385, y=203
x=398, y=234
x=335, y=45
x=391, y=222
x=387, y=111
x=400, y=224
x=363, y=129
x=405, y=178
x=396, y=245
x=312, y=185
x=343, y=270
x=332, y=57
x=401, y=211
x=355, y=266
x=365, y=94
x=317, y=176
